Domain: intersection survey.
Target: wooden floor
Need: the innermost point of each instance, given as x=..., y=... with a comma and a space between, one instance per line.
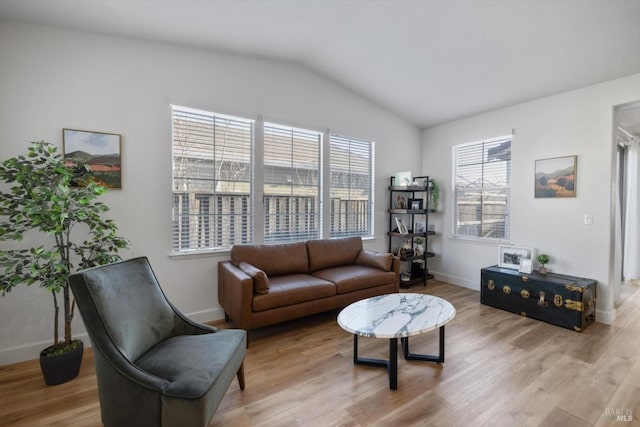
x=500, y=370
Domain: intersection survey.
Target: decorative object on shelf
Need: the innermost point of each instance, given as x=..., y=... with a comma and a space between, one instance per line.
x=402, y=228
x=419, y=227
x=543, y=259
x=418, y=246
x=403, y=178
x=556, y=177
x=525, y=266
x=98, y=151
x=434, y=194
x=401, y=202
x=415, y=204
x=406, y=253
x=41, y=200
x=510, y=256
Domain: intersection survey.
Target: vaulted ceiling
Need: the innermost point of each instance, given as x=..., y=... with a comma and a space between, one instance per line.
x=429, y=61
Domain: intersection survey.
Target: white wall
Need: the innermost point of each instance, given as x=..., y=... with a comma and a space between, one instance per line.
x=572, y=123
x=52, y=79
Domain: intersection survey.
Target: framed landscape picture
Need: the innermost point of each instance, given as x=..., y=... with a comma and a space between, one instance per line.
x=556, y=177
x=98, y=150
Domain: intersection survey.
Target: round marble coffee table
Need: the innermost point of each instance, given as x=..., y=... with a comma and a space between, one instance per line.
x=396, y=316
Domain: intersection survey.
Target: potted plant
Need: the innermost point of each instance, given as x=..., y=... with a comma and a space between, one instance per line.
x=41, y=200
x=434, y=194
x=543, y=259
x=419, y=248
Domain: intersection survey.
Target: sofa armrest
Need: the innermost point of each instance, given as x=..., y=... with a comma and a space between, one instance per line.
x=395, y=267
x=235, y=294
x=381, y=261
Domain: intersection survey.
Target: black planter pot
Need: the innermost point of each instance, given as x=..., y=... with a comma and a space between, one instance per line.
x=60, y=368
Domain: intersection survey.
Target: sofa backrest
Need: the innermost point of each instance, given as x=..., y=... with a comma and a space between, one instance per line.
x=275, y=260
x=333, y=253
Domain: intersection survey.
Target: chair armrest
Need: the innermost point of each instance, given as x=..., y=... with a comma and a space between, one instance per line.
x=235, y=294
x=189, y=327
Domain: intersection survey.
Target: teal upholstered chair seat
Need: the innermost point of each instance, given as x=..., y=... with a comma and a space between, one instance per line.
x=155, y=367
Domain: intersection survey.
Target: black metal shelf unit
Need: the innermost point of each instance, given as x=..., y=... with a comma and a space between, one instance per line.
x=408, y=210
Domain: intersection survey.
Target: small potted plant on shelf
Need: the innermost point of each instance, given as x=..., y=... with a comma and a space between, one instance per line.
x=543, y=259
x=42, y=203
x=418, y=246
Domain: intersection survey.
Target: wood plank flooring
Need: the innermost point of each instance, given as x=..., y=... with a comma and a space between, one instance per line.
x=500, y=370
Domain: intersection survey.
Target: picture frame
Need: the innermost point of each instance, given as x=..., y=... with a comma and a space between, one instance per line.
x=415, y=204
x=403, y=179
x=526, y=266
x=99, y=151
x=556, y=177
x=402, y=228
x=419, y=227
x=510, y=256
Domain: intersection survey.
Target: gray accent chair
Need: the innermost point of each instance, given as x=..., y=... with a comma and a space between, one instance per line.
x=155, y=367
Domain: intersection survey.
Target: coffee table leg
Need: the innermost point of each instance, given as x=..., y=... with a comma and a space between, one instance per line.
x=391, y=364
x=424, y=357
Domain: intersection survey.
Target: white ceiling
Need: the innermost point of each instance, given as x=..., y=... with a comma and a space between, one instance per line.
x=429, y=61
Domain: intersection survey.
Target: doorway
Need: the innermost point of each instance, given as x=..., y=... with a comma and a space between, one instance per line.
x=627, y=140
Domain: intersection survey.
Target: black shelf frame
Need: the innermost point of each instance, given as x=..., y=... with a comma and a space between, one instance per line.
x=420, y=277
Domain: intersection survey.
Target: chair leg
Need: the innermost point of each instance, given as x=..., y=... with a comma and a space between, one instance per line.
x=241, y=376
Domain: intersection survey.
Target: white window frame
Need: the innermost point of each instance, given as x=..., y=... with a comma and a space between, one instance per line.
x=212, y=210
x=352, y=204
x=494, y=189
x=188, y=210
x=292, y=196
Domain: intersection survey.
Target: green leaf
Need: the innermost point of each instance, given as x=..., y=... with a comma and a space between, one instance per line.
x=41, y=200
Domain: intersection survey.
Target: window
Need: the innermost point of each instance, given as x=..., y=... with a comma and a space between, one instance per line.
x=351, y=187
x=481, y=186
x=211, y=180
x=291, y=184
x=227, y=168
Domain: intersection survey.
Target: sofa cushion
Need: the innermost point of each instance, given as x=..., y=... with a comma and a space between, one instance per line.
x=293, y=289
x=260, y=279
x=274, y=260
x=333, y=253
x=382, y=261
x=351, y=278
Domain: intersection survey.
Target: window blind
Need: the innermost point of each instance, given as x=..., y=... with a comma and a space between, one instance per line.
x=212, y=171
x=291, y=184
x=481, y=186
x=351, y=187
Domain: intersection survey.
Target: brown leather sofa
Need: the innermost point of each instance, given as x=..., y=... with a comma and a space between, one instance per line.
x=266, y=284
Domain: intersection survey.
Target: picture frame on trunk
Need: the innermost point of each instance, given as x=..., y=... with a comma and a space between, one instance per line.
x=510, y=256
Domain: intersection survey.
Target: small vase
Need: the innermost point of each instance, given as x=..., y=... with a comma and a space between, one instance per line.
x=542, y=270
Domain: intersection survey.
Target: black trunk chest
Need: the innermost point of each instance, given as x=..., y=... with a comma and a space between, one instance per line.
x=564, y=301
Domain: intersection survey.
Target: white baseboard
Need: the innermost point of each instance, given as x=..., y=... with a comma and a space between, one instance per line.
x=455, y=280
x=31, y=351
x=606, y=317
x=206, y=316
